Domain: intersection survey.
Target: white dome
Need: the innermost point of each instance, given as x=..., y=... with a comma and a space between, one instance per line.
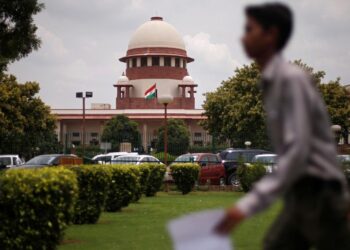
x=156, y=33
x=123, y=79
x=187, y=80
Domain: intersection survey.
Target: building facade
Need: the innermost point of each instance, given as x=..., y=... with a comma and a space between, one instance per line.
x=156, y=64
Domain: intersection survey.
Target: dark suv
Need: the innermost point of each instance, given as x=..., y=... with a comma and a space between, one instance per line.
x=231, y=158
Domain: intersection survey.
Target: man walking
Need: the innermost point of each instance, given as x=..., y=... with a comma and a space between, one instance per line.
x=312, y=185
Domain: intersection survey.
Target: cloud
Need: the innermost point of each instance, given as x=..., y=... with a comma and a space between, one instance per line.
x=214, y=55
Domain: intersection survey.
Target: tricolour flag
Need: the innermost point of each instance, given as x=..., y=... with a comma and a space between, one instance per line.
x=151, y=92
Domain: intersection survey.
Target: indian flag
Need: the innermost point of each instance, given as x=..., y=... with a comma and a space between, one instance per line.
x=151, y=92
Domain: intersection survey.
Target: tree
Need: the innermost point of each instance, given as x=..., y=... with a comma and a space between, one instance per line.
x=17, y=30
x=338, y=104
x=178, y=137
x=235, y=109
x=26, y=124
x=121, y=129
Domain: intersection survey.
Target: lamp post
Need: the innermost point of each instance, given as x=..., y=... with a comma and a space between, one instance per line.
x=247, y=144
x=88, y=94
x=165, y=100
x=336, y=130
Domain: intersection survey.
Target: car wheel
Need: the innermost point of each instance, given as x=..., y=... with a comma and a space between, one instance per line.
x=233, y=180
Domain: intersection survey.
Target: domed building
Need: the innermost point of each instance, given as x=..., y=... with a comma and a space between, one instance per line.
x=156, y=66
x=156, y=59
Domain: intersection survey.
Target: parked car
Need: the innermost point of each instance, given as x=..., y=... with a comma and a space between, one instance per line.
x=135, y=159
x=115, y=155
x=268, y=160
x=211, y=167
x=343, y=158
x=102, y=159
x=9, y=161
x=52, y=160
x=231, y=158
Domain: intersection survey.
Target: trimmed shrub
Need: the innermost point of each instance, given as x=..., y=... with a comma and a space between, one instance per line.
x=185, y=175
x=93, y=182
x=250, y=173
x=152, y=175
x=138, y=187
x=35, y=207
x=123, y=187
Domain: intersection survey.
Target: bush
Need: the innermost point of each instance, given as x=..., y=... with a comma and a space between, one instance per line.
x=35, y=207
x=151, y=178
x=138, y=187
x=250, y=173
x=123, y=187
x=346, y=168
x=93, y=182
x=185, y=175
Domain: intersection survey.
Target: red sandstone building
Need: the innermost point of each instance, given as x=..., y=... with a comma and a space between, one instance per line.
x=157, y=56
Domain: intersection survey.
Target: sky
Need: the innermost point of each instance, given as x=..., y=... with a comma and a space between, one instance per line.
x=82, y=41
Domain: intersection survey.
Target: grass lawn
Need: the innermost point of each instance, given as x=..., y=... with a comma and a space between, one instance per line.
x=143, y=225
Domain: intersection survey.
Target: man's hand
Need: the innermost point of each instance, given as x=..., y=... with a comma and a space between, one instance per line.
x=232, y=218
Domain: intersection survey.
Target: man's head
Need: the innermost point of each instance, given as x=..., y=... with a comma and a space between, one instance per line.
x=268, y=27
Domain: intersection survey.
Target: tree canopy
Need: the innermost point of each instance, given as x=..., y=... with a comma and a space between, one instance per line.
x=121, y=129
x=178, y=137
x=26, y=124
x=17, y=30
x=235, y=109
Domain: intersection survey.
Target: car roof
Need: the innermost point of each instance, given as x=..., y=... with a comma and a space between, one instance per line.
x=244, y=150
x=9, y=156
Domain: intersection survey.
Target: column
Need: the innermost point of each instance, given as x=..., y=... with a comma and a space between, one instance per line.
x=144, y=136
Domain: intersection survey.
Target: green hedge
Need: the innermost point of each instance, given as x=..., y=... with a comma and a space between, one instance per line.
x=138, y=188
x=185, y=175
x=93, y=182
x=250, y=173
x=123, y=187
x=35, y=207
x=151, y=177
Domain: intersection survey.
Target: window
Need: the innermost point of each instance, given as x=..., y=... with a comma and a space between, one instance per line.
x=213, y=159
x=94, y=134
x=134, y=61
x=75, y=134
x=167, y=61
x=177, y=62
x=184, y=64
x=155, y=61
x=143, y=61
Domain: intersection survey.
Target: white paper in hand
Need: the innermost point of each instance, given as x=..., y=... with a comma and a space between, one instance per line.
x=196, y=231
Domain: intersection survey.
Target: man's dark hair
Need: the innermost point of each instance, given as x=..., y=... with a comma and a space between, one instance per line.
x=273, y=15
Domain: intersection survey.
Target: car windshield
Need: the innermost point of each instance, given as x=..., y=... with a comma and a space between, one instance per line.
x=265, y=159
x=186, y=158
x=41, y=160
x=4, y=161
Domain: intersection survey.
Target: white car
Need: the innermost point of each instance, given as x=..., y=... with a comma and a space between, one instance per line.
x=108, y=158
x=268, y=160
x=136, y=159
x=10, y=161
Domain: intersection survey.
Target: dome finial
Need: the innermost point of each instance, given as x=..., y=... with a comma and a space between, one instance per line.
x=158, y=18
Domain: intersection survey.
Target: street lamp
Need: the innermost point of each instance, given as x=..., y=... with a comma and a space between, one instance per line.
x=336, y=130
x=165, y=100
x=247, y=144
x=88, y=94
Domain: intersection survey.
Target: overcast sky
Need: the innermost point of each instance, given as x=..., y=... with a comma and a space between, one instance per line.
x=83, y=39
